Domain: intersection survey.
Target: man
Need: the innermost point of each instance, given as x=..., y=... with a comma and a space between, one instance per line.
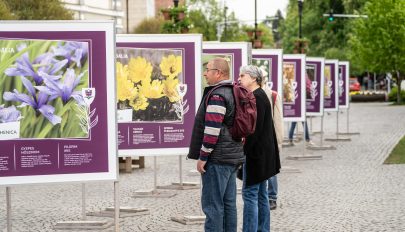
x=218, y=154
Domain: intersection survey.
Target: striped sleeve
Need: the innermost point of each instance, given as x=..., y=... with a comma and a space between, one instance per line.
x=214, y=116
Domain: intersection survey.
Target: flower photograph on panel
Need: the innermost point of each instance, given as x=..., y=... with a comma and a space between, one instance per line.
x=150, y=85
x=328, y=83
x=341, y=82
x=310, y=82
x=265, y=66
x=289, y=83
x=41, y=83
x=206, y=57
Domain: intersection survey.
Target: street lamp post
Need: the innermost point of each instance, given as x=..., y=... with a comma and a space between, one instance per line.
x=300, y=3
x=176, y=3
x=225, y=10
x=255, y=19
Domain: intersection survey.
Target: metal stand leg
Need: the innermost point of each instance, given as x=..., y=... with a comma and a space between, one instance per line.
x=180, y=185
x=8, y=200
x=117, y=207
x=154, y=192
x=84, y=224
x=347, y=126
x=188, y=219
x=321, y=145
x=117, y=211
x=304, y=156
x=84, y=202
x=337, y=139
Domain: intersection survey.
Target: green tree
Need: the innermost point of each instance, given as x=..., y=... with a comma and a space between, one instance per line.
x=378, y=42
x=206, y=16
x=5, y=13
x=325, y=38
x=275, y=25
x=38, y=9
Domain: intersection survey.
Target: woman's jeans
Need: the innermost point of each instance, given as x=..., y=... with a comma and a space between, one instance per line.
x=256, y=209
x=218, y=199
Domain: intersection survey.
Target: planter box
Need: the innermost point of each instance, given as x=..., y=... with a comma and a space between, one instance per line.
x=368, y=98
x=259, y=33
x=181, y=16
x=166, y=14
x=257, y=43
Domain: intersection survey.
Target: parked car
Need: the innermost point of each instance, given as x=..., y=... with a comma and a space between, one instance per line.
x=354, y=84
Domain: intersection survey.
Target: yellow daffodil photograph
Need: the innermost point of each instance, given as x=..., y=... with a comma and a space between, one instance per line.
x=147, y=85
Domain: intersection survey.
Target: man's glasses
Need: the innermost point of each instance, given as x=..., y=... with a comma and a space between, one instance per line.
x=209, y=69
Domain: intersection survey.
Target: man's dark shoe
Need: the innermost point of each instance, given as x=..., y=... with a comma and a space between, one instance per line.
x=273, y=204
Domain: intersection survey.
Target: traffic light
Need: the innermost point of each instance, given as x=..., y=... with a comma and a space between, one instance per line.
x=331, y=17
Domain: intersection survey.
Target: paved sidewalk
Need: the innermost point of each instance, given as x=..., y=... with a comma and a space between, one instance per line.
x=348, y=190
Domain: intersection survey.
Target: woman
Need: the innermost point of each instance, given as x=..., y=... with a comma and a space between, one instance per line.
x=262, y=158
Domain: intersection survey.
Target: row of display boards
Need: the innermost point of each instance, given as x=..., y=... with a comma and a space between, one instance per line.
x=74, y=95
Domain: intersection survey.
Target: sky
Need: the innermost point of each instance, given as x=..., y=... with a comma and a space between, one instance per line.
x=245, y=9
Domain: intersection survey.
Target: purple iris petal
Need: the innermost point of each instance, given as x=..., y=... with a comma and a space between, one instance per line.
x=9, y=114
x=48, y=112
x=72, y=51
x=28, y=86
x=62, y=89
x=24, y=68
x=38, y=103
x=21, y=46
x=57, y=66
x=77, y=95
x=20, y=97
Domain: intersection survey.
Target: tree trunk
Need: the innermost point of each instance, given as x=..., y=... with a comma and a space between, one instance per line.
x=399, y=80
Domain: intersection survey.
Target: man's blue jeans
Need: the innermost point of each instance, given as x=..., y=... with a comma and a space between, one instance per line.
x=273, y=188
x=292, y=128
x=256, y=209
x=218, y=199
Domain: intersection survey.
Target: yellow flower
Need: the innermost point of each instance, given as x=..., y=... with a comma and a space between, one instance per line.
x=152, y=90
x=170, y=89
x=171, y=66
x=125, y=87
x=139, y=70
x=139, y=103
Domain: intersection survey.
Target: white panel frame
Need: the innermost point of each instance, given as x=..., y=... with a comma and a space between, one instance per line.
x=302, y=117
x=167, y=38
x=75, y=25
x=322, y=61
x=336, y=63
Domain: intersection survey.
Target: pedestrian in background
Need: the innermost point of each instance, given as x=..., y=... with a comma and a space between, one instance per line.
x=277, y=114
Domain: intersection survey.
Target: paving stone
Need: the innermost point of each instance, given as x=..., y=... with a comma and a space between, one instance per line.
x=348, y=190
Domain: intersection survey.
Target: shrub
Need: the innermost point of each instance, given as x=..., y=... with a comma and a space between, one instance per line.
x=392, y=96
x=149, y=26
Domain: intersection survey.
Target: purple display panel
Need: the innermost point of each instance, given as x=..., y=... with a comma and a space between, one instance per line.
x=294, y=87
x=270, y=61
x=55, y=82
x=344, y=84
x=314, y=86
x=163, y=80
x=331, y=86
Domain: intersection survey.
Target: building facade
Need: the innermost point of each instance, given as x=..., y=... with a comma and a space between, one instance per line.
x=126, y=13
